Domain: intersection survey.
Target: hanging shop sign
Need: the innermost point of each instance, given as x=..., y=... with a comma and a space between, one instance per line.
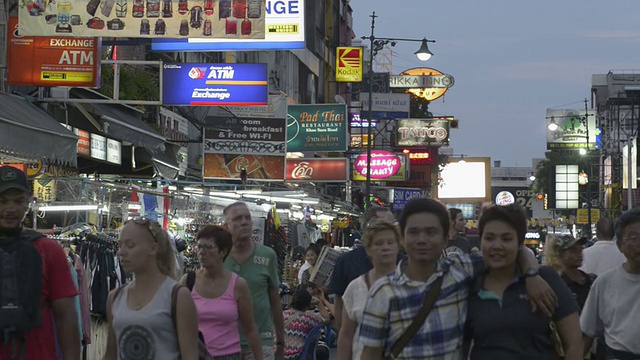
x=582, y=216
x=358, y=122
x=399, y=197
x=247, y=136
x=52, y=61
x=349, y=64
x=230, y=167
x=35, y=169
x=257, y=232
x=114, y=151
x=84, y=142
x=318, y=170
x=385, y=106
x=426, y=83
x=572, y=128
x=317, y=128
x=383, y=164
x=284, y=23
x=98, y=147
x=139, y=18
x=44, y=189
x=401, y=175
x=360, y=140
x=522, y=195
x=419, y=177
x=422, y=132
x=214, y=84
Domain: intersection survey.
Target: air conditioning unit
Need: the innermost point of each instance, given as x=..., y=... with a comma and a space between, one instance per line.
x=60, y=92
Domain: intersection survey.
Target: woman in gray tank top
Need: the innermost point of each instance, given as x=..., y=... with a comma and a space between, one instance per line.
x=140, y=320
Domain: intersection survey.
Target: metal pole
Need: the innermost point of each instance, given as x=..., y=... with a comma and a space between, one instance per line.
x=586, y=119
x=368, y=182
x=629, y=173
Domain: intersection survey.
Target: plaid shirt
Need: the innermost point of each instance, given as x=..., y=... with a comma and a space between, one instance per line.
x=395, y=300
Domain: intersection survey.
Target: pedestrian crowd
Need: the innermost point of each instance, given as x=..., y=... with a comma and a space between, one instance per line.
x=416, y=288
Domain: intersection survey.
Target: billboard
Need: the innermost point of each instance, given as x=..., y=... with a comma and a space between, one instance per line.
x=385, y=106
x=230, y=166
x=52, y=61
x=318, y=170
x=244, y=19
x=214, y=84
x=571, y=129
x=399, y=197
x=321, y=127
x=464, y=182
x=426, y=83
x=247, y=136
x=422, y=132
x=349, y=64
x=284, y=30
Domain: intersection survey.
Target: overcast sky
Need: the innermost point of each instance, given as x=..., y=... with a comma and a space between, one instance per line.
x=511, y=60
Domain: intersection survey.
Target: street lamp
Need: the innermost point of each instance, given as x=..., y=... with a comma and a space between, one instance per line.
x=377, y=44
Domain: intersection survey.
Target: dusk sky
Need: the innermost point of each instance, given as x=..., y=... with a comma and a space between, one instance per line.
x=511, y=60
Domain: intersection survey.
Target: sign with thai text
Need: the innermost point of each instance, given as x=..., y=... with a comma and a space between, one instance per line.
x=114, y=151
x=320, y=127
x=385, y=106
x=98, y=147
x=318, y=170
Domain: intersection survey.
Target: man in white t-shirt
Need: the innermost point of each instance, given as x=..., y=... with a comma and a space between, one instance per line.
x=604, y=254
x=612, y=308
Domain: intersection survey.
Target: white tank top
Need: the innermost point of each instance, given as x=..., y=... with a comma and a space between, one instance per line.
x=148, y=333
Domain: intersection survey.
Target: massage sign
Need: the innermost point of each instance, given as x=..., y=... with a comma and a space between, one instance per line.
x=383, y=164
x=422, y=132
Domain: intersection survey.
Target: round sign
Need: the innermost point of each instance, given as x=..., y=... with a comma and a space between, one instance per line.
x=432, y=93
x=383, y=164
x=505, y=198
x=35, y=169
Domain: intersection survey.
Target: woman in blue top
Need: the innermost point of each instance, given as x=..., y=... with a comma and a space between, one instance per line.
x=500, y=323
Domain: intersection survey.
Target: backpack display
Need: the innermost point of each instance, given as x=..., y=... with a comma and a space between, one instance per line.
x=92, y=6
x=20, y=290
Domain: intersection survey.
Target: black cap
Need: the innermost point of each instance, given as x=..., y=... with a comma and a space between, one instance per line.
x=12, y=178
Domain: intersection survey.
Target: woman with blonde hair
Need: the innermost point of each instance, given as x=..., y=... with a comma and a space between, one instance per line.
x=142, y=322
x=381, y=240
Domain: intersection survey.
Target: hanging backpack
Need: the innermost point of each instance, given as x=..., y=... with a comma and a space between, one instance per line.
x=20, y=291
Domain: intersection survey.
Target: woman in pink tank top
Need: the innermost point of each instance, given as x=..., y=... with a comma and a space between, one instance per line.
x=222, y=298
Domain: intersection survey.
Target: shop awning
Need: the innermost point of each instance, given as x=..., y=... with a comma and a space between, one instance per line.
x=119, y=121
x=28, y=132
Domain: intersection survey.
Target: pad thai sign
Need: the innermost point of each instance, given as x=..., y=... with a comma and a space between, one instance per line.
x=383, y=164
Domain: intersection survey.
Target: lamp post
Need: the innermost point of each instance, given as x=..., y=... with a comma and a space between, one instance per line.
x=377, y=44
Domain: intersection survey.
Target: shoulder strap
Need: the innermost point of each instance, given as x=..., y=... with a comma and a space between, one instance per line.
x=191, y=280
x=174, y=305
x=417, y=322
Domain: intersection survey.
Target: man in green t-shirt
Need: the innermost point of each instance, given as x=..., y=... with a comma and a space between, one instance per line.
x=258, y=265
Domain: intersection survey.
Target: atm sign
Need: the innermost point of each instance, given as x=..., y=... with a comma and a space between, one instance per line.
x=349, y=64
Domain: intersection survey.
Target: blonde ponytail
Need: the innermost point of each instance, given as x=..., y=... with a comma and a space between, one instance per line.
x=166, y=258
x=552, y=252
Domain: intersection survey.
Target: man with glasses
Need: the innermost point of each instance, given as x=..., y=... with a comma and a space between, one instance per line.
x=258, y=265
x=612, y=308
x=33, y=271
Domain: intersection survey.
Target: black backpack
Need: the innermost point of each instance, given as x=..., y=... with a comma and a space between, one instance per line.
x=20, y=290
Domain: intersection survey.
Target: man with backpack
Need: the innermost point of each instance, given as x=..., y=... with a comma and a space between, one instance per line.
x=36, y=289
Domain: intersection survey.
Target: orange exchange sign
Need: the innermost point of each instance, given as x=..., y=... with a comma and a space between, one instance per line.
x=52, y=61
x=349, y=64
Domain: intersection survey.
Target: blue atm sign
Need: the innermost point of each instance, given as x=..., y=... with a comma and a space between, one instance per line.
x=215, y=84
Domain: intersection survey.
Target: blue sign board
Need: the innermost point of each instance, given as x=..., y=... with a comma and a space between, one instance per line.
x=402, y=196
x=215, y=84
x=284, y=30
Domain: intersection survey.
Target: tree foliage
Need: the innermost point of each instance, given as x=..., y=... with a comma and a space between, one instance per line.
x=136, y=83
x=545, y=168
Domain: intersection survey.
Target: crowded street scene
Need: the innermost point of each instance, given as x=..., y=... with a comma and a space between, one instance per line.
x=319, y=180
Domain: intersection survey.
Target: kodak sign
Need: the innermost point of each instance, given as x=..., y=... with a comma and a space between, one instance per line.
x=349, y=64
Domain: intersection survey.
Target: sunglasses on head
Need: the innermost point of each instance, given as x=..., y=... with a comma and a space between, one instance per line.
x=152, y=225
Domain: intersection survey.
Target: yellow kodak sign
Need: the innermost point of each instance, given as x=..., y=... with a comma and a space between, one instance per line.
x=349, y=64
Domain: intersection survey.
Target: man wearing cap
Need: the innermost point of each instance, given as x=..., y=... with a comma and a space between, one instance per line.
x=612, y=308
x=57, y=287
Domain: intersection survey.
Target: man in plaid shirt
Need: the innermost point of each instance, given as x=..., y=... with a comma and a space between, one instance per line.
x=395, y=300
